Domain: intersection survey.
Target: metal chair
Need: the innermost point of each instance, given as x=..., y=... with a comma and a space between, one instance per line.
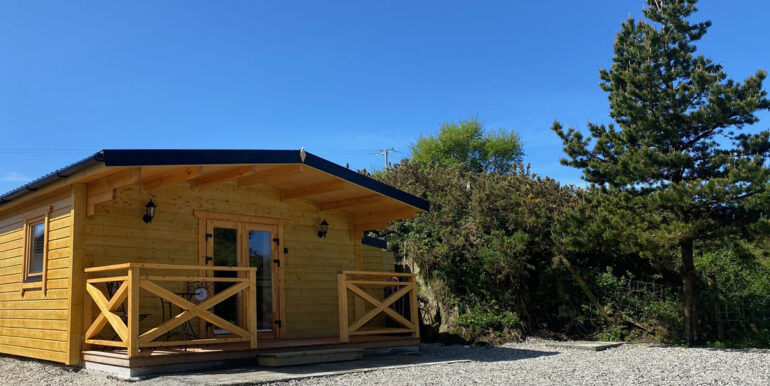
x=112, y=287
x=186, y=330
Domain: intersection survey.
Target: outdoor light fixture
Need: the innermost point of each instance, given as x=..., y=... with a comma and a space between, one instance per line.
x=324, y=229
x=150, y=212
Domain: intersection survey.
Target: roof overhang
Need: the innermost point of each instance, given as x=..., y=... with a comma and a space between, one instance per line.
x=297, y=174
x=114, y=157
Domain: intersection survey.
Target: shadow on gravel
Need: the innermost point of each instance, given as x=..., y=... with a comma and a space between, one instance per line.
x=437, y=355
x=500, y=354
x=762, y=351
x=743, y=350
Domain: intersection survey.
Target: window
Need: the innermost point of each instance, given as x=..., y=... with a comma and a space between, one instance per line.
x=35, y=251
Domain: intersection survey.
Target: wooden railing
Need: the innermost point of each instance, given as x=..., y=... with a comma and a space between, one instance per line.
x=137, y=276
x=401, y=286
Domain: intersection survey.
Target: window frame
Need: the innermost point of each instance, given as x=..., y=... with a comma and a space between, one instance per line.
x=34, y=280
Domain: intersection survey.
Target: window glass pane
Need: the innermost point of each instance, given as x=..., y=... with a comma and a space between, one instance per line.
x=261, y=257
x=36, y=245
x=226, y=255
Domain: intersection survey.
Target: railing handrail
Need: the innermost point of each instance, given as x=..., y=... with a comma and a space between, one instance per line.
x=381, y=274
x=356, y=287
x=116, y=267
x=127, y=326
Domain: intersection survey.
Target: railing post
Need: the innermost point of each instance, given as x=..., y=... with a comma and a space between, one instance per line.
x=342, y=294
x=414, y=315
x=251, y=308
x=87, y=307
x=133, y=312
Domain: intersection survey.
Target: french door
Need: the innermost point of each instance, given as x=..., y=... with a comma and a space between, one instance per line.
x=246, y=244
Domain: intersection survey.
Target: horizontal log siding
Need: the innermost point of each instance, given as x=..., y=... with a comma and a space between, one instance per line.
x=116, y=234
x=376, y=259
x=35, y=325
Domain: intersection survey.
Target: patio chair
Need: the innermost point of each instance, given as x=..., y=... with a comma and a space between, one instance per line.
x=186, y=330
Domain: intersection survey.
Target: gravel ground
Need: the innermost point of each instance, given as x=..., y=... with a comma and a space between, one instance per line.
x=532, y=363
x=22, y=371
x=535, y=363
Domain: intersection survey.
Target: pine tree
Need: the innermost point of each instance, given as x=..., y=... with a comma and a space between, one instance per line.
x=681, y=148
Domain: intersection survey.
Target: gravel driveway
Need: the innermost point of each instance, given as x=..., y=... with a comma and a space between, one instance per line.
x=535, y=363
x=532, y=362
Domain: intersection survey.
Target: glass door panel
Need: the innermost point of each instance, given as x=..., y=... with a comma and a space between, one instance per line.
x=225, y=253
x=242, y=244
x=261, y=257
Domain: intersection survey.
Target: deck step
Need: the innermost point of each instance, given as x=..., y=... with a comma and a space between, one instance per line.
x=304, y=357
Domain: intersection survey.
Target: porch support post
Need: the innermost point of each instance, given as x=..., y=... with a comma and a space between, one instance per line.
x=251, y=308
x=87, y=313
x=358, y=304
x=79, y=303
x=133, y=312
x=342, y=294
x=414, y=309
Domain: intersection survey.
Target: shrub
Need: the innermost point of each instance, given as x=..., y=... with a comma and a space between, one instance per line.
x=611, y=333
x=477, y=323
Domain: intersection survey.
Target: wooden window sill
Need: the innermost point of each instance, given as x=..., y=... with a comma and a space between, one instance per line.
x=32, y=285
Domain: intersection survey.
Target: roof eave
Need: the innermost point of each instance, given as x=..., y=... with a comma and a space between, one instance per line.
x=164, y=157
x=120, y=157
x=52, y=177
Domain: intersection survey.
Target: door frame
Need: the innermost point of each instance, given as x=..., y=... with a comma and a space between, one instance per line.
x=244, y=222
x=275, y=270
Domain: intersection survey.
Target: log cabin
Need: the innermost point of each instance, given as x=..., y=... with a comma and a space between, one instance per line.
x=130, y=257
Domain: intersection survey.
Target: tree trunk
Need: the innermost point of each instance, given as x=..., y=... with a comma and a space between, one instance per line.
x=715, y=307
x=582, y=283
x=687, y=270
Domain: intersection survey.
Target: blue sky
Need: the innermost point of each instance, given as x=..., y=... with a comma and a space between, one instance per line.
x=342, y=79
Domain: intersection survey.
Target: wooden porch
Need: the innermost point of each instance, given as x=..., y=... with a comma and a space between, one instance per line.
x=368, y=315
x=237, y=351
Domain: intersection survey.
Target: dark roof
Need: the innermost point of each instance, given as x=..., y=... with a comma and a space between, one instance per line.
x=125, y=157
x=374, y=242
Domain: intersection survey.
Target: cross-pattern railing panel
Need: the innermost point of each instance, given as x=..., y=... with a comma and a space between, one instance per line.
x=126, y=322
x=356, y=283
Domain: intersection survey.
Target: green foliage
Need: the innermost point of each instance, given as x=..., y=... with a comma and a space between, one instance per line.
x=678, y=166
x=476, y=321
x=651, y=303
x=611, y=334
x=738, y=340
x=666, y=316
x=676, y=207
x=742, y=297
x=487, y=237
x=478, y=324
x=467, y=143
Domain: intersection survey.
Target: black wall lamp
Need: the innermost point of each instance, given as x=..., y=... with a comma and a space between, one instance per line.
x=324, y=229
x=149, y=212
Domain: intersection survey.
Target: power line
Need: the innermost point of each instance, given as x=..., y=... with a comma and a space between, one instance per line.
x=39, y=150
x=385, y=152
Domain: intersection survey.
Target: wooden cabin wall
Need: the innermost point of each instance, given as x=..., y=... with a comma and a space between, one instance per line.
x=377, y=259
x=116, y=234
x=35, y=324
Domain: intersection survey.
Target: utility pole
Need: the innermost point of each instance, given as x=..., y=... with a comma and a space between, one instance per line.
x=385, y=152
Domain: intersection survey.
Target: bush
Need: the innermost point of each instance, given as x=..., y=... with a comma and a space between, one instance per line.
x=486, y=239
x=477, y=323
x=611, y=333
x=742, y=285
